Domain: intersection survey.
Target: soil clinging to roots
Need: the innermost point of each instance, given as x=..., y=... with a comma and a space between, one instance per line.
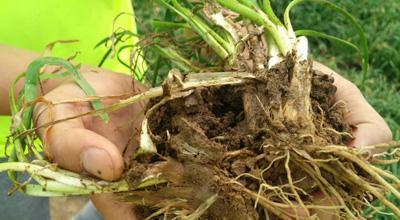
x=224, y=149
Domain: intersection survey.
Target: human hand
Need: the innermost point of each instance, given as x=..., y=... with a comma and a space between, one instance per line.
x=370, y=129
x=87, y=144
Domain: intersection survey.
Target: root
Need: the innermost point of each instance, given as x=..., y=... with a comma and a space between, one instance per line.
x=277, y=192
x=371, y=171
x=362, y=183
x=338, y=133
x=272, y=163
x=315, y=163
x=324, y=185
x=214, y=144
x=202, y=208
x=384, y=162
x=164, y=211
x=381, y=147
x=338, y=197
x=387, y=175
x=264, y=202
x=289, y=176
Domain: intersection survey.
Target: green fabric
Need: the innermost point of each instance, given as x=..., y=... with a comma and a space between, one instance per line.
x=5, y=123
x=32, y=25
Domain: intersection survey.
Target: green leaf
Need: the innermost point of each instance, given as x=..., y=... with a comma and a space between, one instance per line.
x=117, y=37
x=173, y=55
x=167, y=25
x=270, y=12
x=32, y=84
x=312, y=33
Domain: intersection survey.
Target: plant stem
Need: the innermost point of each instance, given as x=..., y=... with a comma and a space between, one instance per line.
x=264, y=21
x=268, y=10
x=64, y=180
x=200, y=27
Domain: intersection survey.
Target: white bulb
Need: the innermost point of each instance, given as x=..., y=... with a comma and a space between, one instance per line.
x=302, y=48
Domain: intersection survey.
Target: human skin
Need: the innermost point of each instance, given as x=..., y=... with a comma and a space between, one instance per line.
x=88, y=145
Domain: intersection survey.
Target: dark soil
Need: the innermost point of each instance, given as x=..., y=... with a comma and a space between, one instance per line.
x=217, y=134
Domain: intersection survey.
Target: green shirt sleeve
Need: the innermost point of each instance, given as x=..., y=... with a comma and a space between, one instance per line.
x=5, y=123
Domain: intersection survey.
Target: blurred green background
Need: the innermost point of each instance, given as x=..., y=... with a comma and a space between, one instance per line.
x=380, y=20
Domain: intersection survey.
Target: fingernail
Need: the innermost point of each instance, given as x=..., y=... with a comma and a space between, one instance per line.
x=98, y=162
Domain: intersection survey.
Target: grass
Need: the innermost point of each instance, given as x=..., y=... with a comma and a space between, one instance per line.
x=379, y=19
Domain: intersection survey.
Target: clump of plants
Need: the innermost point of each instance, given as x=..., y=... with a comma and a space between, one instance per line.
x=242, y=128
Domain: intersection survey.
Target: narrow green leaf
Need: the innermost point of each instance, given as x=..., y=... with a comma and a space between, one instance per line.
x=105, y=40
x=47, y=76
x=173, y=55
x=107, y=54
x=118, y=37
x=270, y=12
x=312, y=33
x=32, y=79
x=167, y=25
x=32, y=83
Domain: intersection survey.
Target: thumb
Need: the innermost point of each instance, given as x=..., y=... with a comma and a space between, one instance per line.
x=73, y=147
x=80, y=150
